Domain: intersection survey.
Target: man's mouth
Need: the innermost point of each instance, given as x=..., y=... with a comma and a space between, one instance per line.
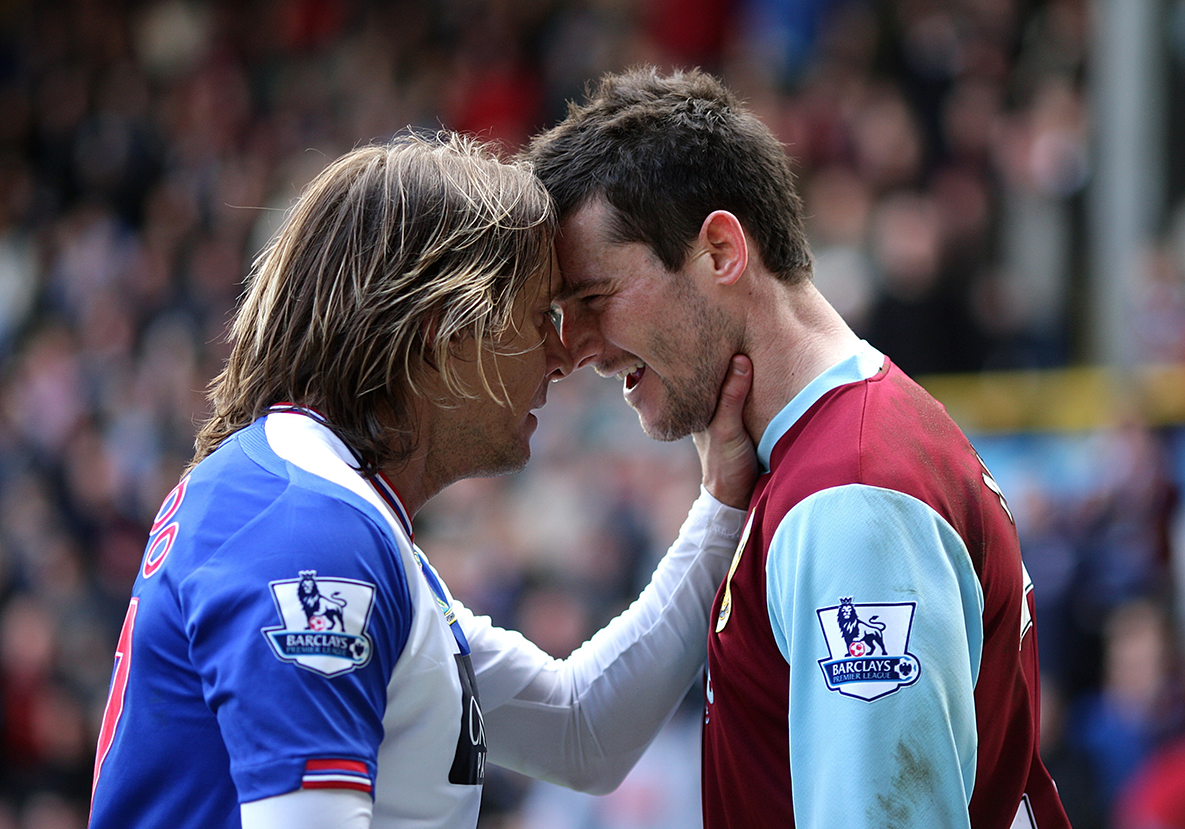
x=632, y=375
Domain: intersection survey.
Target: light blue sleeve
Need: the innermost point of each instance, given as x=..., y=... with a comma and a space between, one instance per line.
x=882, y=719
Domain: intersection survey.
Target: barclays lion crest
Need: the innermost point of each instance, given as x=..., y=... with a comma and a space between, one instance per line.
x=869, y=648
x=323, y=622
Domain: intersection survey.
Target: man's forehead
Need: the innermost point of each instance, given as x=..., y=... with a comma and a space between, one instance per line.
x=587, y=250
x=587, y=228
x=571, y=284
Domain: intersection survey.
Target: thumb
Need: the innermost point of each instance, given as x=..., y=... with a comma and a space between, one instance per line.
x=732, y=395
x=727, y=456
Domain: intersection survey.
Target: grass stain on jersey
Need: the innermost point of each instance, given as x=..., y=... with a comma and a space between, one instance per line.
x=912, y=784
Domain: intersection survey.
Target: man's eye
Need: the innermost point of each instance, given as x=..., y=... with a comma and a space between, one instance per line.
x=556, y=316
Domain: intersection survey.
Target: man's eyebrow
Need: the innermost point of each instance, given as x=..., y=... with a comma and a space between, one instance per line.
x=569, y=289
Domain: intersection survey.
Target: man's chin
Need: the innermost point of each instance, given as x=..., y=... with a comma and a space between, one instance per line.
x=668, y=429
x=513, y=459
x=681, y=412
x=504, y=466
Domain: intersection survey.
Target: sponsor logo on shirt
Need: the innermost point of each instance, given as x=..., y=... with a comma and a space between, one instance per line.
x=324, y=623
x=869, y=648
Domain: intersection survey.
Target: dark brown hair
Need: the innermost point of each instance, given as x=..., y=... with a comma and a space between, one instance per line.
x=667, y=150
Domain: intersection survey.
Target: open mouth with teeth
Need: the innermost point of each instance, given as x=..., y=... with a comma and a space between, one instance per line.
x=632, y=375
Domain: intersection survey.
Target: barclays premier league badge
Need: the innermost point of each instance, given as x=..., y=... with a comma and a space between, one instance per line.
x=324, y=622
x=869, y=646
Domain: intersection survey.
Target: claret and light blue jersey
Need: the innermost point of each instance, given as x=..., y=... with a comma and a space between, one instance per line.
x=872, y=660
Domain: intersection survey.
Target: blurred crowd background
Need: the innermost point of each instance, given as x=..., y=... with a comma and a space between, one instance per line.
x=944, y=149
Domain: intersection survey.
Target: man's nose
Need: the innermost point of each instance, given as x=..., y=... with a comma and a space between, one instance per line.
x=559, y=359
x=579, y=334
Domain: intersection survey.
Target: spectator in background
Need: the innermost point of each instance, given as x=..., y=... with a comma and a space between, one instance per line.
x=148, y=150
x=1154, y=797
x=1140, y=703
x=1068, y=764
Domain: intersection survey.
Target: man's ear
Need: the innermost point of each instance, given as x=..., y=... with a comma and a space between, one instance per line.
x=723, y=239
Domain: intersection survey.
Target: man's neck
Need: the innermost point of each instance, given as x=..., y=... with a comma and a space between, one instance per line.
x=800, y=336
x=411, y=477
x=408, y=480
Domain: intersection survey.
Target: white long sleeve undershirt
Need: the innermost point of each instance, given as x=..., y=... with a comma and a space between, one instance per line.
x=583, y=721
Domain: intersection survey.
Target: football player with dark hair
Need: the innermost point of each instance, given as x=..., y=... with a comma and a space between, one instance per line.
x=872, y=660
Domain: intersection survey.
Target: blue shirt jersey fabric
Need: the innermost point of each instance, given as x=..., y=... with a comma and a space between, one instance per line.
x=285, y=633
x=262, y=642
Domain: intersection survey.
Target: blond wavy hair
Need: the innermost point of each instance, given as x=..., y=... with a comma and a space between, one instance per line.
x=390, y=256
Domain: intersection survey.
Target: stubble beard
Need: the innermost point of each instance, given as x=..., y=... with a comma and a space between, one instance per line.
x=690, y=407
x=504, y=458
x=479, y=452
x=690, y=402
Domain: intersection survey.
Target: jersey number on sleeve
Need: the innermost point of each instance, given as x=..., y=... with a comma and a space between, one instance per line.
x=1026, y=615
x=119, y=686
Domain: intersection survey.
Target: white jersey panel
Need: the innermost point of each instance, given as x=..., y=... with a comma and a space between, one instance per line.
x=422, y=723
